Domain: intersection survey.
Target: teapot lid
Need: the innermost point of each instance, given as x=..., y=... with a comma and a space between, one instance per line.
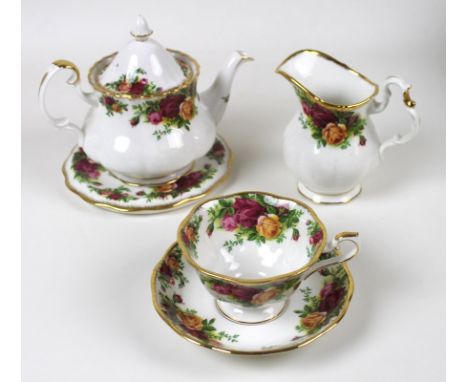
x=143, y=67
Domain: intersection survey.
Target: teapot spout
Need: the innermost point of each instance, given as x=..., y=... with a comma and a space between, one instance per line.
x=216, y=97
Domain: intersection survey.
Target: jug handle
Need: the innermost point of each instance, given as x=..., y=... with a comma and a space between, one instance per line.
x=352, y=237
x=54, y=68
x=379, y=106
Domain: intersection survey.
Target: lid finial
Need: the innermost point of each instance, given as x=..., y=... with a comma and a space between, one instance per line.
x=141, y=31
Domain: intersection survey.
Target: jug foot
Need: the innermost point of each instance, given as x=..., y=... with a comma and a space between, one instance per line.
x=138, y=182
x=319, y=198
x=251, y=316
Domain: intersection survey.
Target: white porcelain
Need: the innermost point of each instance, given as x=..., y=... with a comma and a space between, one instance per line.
x=183, y=303
x=147, y=123
x=253, y=249
x=100, y=187
x=331, y=143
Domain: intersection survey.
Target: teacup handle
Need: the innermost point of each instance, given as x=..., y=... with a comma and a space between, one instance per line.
x=352, y=237
x=54, y=68
x=379, y=106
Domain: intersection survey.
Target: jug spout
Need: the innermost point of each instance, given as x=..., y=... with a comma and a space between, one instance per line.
x=216, y=97
x=327, y=81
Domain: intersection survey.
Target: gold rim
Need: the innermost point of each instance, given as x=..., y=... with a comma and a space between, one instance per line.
x=94, y=80
x=180, y=332
x=329, y=203
x=175, y=205
x=317, y=98
x=282, y=277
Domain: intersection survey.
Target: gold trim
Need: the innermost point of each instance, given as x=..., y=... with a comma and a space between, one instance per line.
x=227, y=317
x=133, y=184
x=239, y=352
x=407, y=99
x=65, y=64
x=94, y=79
x=329, y=203
x=282, y=277
x=317, y=98
x=137, y=210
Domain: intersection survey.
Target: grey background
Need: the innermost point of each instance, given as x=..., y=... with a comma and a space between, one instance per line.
x=87, y=312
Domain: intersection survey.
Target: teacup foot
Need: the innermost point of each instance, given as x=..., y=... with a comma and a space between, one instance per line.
x=251, y=316
x=329, y=199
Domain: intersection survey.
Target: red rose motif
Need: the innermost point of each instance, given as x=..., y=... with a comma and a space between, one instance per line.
x=170, y=105
x=165, y=270
x=155, y=117
x=218, y=150
x=137, y=88
x=178, y=298
x=222, y=289
x=88, y=168
x=109, y=101
x=247, y=212
x=330, y=297
x=134, y=121
x=244, y=293
x=115, y=196
x=321, y=116
x=189, y=180
x=316, y=238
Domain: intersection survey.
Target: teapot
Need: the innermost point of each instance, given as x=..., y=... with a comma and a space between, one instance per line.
x=331, y=144
x=147, y=123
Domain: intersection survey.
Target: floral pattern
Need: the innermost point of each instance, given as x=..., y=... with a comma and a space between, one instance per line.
x=173, y=111
x=113, y=105
x=191, y=323
x=85, y=169
x=97, y=179
x=250, y=296
x=134, y=84
x=190, y=234
x=332, y=128
x=251, y=217
x=320, y=309
x=172, y=270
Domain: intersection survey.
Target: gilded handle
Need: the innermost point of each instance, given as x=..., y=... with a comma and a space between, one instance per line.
x=74, y=80
x=343, y=256
x=408, y=102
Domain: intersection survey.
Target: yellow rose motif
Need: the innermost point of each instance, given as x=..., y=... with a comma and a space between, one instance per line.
x=269, y=226
x=191, y=321
x=172, y=263
x=186, y=109
x=334, y=134
x=264, y=296
x=312, y=320
x=189, y=233
x=116, y=107
x=124, y=87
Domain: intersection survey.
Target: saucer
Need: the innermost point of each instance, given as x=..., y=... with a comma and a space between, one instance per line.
x=181, y=300
x=100, y=187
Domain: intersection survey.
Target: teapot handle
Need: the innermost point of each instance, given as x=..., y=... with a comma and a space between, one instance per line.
x=379, y=106
x=352, y=237
x=54, y=68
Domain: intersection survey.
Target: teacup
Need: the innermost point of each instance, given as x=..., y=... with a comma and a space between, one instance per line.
x=253, y=249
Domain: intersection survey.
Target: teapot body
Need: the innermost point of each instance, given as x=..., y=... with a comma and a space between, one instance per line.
x=148, y=140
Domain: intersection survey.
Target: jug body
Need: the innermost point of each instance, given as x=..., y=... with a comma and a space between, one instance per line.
x=331, y=143
x=330, y=152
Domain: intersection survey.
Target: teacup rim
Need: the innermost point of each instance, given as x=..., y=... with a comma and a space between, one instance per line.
x=247, y=281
